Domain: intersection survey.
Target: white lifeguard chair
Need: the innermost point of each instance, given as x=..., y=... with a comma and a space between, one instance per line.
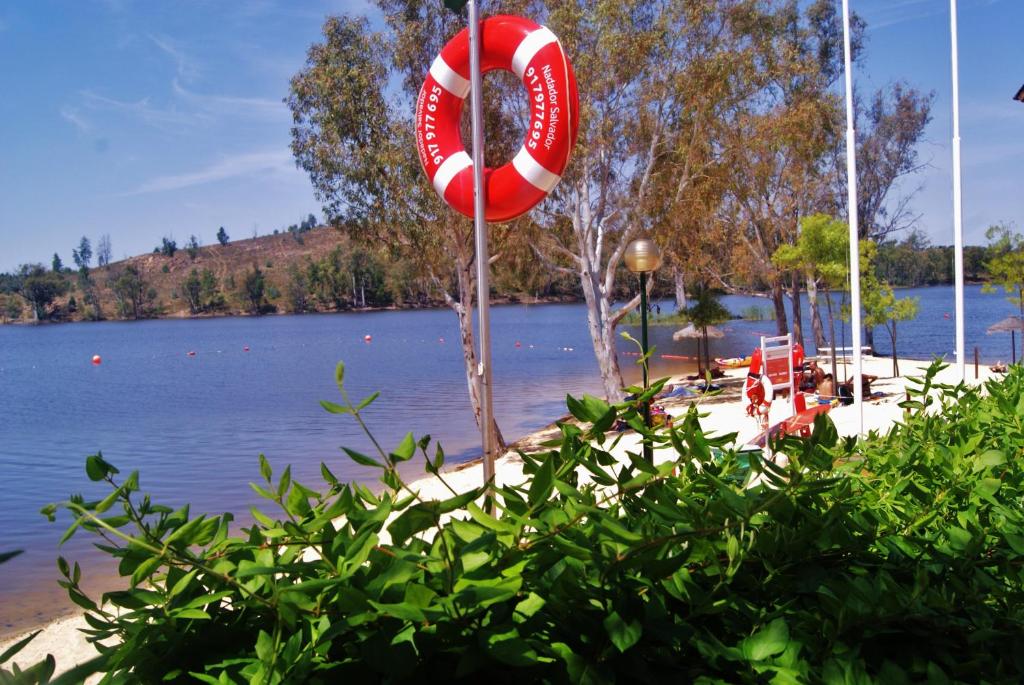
x=777, y=365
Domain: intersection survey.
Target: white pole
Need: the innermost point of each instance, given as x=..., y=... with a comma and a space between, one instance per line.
x=958, y=211
x=483, y=288
x=851, y=184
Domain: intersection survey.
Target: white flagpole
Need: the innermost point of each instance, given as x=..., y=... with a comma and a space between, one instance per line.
x=851, y=185
x=483, y=288
x=958, y=211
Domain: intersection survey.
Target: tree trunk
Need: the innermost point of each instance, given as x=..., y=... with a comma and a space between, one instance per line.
x=869, y=337
x=895, y=359
x=464, y=312
x=832, y=333
x=794, y=296
x=700, y=358
x=812, y=301
x=602, y=334
x=679, y=278
x=781, y=327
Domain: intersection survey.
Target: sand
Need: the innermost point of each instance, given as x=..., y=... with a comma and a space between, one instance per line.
x=725, y=414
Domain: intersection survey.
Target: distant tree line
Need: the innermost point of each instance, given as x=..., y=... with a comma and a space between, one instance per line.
x=354, y=276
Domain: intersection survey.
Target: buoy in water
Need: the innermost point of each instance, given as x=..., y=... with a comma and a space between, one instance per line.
x=191, y=353
x=245, y=349
x=367, y=338
x=440, y=340
x=518, y=344
x=97, y=360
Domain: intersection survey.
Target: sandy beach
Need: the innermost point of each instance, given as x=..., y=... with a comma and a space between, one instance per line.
x=725, y=414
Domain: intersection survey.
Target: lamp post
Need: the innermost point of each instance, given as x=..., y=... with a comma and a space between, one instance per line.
x=642, y=257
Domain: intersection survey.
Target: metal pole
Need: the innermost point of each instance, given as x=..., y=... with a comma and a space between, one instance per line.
x=648, y=451
x=851, y=184
x=958, y=212
x=483, y=287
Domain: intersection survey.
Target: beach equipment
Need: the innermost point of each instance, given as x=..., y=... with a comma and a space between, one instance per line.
x=733, y=362
x=534, y=55
x=97, y=360
x=367, y=338
x=1011, y=324
x=779, y=359
x=691, y=331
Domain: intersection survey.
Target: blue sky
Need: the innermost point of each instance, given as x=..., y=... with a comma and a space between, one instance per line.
x=146, y=119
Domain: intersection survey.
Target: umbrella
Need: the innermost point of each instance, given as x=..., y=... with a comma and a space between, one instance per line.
x=1012, y=324
x=691, y=331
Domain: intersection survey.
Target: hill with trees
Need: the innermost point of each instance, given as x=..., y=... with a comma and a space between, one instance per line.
x=305, y=268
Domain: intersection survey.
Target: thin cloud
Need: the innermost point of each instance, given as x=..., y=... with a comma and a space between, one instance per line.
x=166, y=119
x=232, y=106
x=238, y=166
x=895, y=12
x=72, y=116
x=186, y=68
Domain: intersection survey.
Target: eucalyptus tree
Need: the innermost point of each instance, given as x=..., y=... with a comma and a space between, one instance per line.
x=782, y=143
x=353, y=133
x=103, y=250
x=656, y=81
x=889, y=128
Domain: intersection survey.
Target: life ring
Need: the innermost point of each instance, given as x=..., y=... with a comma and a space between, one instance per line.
x=760, y=392
x=531, y=52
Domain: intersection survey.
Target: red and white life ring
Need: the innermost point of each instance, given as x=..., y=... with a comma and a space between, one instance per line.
x=531, y=52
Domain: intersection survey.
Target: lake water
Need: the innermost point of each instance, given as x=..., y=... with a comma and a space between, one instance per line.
x=194, y=425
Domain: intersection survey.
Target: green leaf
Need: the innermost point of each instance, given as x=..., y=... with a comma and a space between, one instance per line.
x=367, y=401
x=543, y=483
x=97, y=468
x=190, y=614
x=623, y=634
x=264, y=647
x=992, y=458
x=402, y=610
x=334, y=408
x=328, y=477
x=265, y=468
x=339, y=375
x=406, y=449
x=7, y=556
x=767, y=642
x=958, y=537
x=17, y=646
x=362, y=459
x=413, y=520
x=530, y=606
x=183, y=583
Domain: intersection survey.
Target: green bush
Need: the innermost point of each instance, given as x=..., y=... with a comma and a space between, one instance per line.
x=894, y=559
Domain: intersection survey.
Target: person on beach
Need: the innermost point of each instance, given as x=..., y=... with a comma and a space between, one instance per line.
x=827, y=388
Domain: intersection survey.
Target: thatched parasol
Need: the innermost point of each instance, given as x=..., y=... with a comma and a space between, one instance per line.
x=1011, y=324
x=691, y=331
